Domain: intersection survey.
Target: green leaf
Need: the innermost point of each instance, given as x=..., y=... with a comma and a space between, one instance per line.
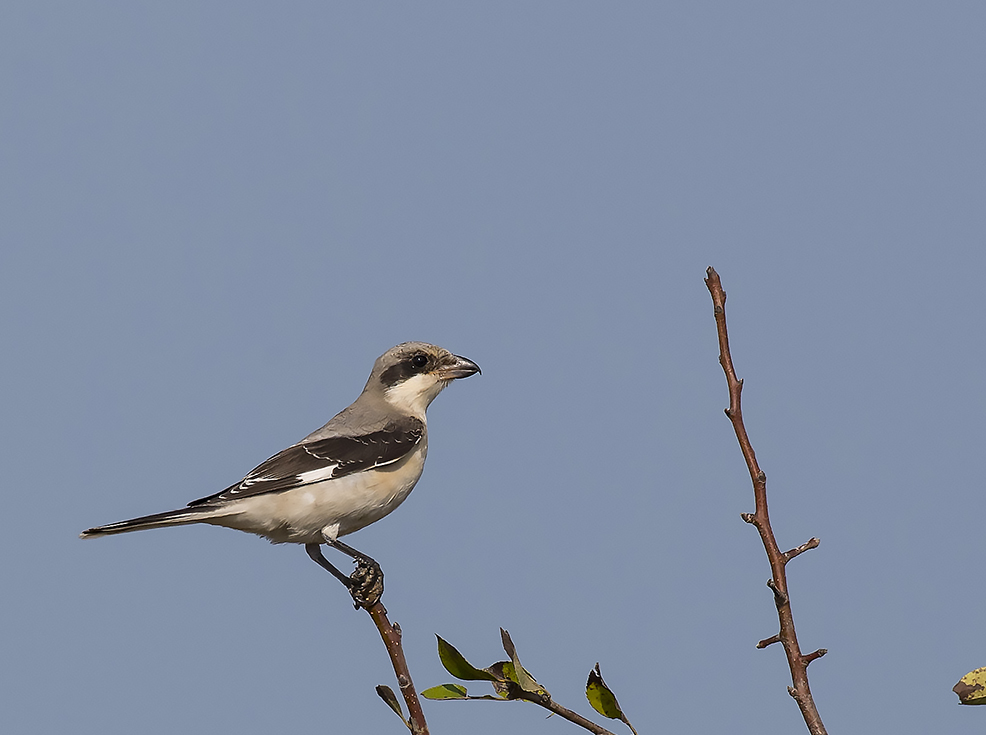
x=388, y=696
x=521, y=676
x=454, y=691
x=456, y=664
x=972, y=687
x=446, y=691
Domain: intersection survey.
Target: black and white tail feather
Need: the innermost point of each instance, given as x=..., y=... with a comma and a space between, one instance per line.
x=182, y=517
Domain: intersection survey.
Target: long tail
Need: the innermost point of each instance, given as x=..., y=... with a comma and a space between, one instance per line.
x=181, y=517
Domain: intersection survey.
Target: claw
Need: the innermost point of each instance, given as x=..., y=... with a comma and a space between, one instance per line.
x=367, y=583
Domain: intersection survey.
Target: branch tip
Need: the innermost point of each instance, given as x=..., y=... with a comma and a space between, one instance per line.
x=769, y=641
x=808, y=658
x=749, y=517
x=808, y=545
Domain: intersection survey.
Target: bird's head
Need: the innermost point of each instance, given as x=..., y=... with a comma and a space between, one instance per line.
x=412, y=374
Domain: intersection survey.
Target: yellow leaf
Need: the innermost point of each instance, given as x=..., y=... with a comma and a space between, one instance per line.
x=972, y=687
x=601, y=696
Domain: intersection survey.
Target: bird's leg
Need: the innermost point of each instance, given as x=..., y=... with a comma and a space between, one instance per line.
x=315, y=552
x=365, y=584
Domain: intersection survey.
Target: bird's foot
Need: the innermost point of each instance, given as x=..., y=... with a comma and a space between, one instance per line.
x=366, y=583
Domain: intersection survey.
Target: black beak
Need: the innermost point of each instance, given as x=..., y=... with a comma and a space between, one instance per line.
x=461, y=368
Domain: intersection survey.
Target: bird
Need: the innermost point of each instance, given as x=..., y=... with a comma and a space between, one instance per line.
x=351, y=472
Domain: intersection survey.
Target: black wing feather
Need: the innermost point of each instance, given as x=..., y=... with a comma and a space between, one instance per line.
x=348, y=454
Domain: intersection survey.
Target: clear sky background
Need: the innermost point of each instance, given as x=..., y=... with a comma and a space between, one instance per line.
x=215, y=216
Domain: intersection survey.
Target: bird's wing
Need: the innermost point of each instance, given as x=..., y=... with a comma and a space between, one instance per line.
x=325, y=459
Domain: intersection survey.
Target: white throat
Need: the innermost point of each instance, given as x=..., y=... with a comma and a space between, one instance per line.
x=415, y=394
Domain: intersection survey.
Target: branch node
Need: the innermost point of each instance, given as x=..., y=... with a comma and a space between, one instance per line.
x=809, y=657
x=798, y=550
x=780, y=597
x=778, y=560
x=769, y=641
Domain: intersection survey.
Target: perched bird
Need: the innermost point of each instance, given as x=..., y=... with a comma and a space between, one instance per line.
x=350, y=473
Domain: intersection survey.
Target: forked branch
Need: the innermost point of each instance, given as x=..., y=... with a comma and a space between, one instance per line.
x=797, y=661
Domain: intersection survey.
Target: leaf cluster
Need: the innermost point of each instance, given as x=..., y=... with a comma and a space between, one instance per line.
x=511, y=681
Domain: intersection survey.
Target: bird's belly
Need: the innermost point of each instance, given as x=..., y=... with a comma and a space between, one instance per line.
x=353, y=502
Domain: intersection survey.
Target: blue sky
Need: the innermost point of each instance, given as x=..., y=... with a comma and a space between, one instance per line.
x=215, y=217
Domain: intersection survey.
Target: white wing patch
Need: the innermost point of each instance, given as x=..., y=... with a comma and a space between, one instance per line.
x=317, y=475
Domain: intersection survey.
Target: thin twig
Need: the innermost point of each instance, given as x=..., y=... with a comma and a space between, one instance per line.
x=769, y=641
x=809, y=657
x=797, y=662
x=550, y=704
x=391, y=635
x=811, y=543
x=366, y=587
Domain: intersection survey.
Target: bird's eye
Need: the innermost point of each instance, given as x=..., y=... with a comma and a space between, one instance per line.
x=419, y=361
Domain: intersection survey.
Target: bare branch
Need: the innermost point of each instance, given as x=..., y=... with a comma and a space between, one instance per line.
x=391, y=635
x=365, y=585
x=797, y=662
